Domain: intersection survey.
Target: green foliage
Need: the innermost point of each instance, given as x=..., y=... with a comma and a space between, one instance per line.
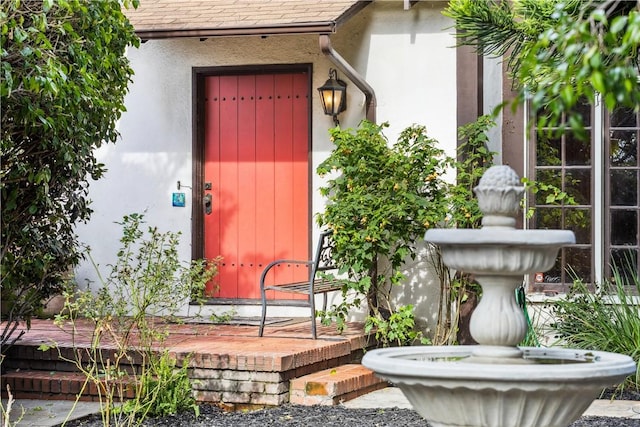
x=607, y=319
x=148, y=280
x=130, y=312
x=164, y=390
x=337, y=314
x=63, y=80
x=380, y=199
x=222, y=317
x=399, y=329
x=559, y=51
x=549, y=194
x=473, y=159
x=384, y=196
x=589, y=51
x=497, y=28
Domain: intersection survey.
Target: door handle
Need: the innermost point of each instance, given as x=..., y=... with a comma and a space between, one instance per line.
x=208, y=204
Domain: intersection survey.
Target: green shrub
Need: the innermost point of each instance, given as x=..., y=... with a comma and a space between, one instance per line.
x=164, y=390
x=380, y=200
x=458, y=289
x=607, y=319
x=64, y=79
x=399, y=329
x=130, y=312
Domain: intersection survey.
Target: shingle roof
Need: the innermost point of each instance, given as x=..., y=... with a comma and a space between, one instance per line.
x=207, y=18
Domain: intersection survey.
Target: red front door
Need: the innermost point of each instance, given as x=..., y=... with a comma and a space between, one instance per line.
x=256, y=164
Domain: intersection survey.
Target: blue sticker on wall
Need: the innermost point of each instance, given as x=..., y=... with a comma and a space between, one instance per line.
x=178, y=200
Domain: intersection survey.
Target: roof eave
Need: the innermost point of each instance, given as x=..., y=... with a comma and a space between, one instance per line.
x=306, y=28
x=320, y=27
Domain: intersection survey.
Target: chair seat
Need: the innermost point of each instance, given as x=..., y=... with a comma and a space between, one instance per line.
x=321, y=285
x=320, y=281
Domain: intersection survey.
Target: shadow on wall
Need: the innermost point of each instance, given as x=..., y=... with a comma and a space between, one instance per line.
x=422, y=289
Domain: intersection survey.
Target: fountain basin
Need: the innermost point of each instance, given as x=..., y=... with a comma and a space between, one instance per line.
x=499, y=250
x=546, y=387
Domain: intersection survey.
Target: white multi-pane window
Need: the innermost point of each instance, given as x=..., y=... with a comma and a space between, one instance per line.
x=602, y=174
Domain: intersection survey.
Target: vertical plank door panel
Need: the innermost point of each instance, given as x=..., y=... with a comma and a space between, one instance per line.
x=300, y=165
x=284, y=175
x=247, y=269
x=265, y=174
x=212, y=174
x=228, y=199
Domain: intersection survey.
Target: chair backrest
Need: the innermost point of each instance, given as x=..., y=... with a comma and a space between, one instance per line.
x=323, y=260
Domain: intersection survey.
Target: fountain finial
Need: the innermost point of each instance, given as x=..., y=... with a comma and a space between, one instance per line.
x=499, y=193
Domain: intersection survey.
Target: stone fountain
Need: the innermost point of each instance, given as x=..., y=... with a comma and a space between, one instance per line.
x=496, y=383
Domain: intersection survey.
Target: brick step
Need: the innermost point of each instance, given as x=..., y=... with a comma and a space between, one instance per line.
x=52, y=385
x=335, y=385
x=228, y=365
x=31, y=358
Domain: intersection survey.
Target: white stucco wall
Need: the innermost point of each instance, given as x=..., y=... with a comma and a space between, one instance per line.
x=405, y=55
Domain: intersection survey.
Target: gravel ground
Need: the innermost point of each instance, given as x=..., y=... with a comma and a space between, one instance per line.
x=327, y=416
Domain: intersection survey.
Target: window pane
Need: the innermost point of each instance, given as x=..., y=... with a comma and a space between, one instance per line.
x=548, y=177
x=554, y=275
x=548, y=151
x=624, y=147
x=624, y=117
x=577, y=152
x=624, y=188
x=565, y=163
x=578, y=263
x=578, y=185
x=548, y=218
x=584, y=108
x=579, y=221
x=624, y=227
x=625, y=263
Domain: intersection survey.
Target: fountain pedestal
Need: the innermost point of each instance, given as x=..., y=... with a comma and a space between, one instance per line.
x=499, y=309
x=496, y=383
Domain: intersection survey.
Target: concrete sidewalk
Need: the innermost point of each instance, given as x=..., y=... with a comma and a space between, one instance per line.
x=48, y=413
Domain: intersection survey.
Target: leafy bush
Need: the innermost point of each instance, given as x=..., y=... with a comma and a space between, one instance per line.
x=399, y=329
x=148, y=280
x=64, y=79
x=130, y=312
x=164, y=390
x=379, y=202
x=607, y=319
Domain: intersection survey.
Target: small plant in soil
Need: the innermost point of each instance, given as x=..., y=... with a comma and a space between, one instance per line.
x=129, y=314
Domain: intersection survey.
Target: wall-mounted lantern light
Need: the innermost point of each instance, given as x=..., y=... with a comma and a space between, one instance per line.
x=333, y=95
